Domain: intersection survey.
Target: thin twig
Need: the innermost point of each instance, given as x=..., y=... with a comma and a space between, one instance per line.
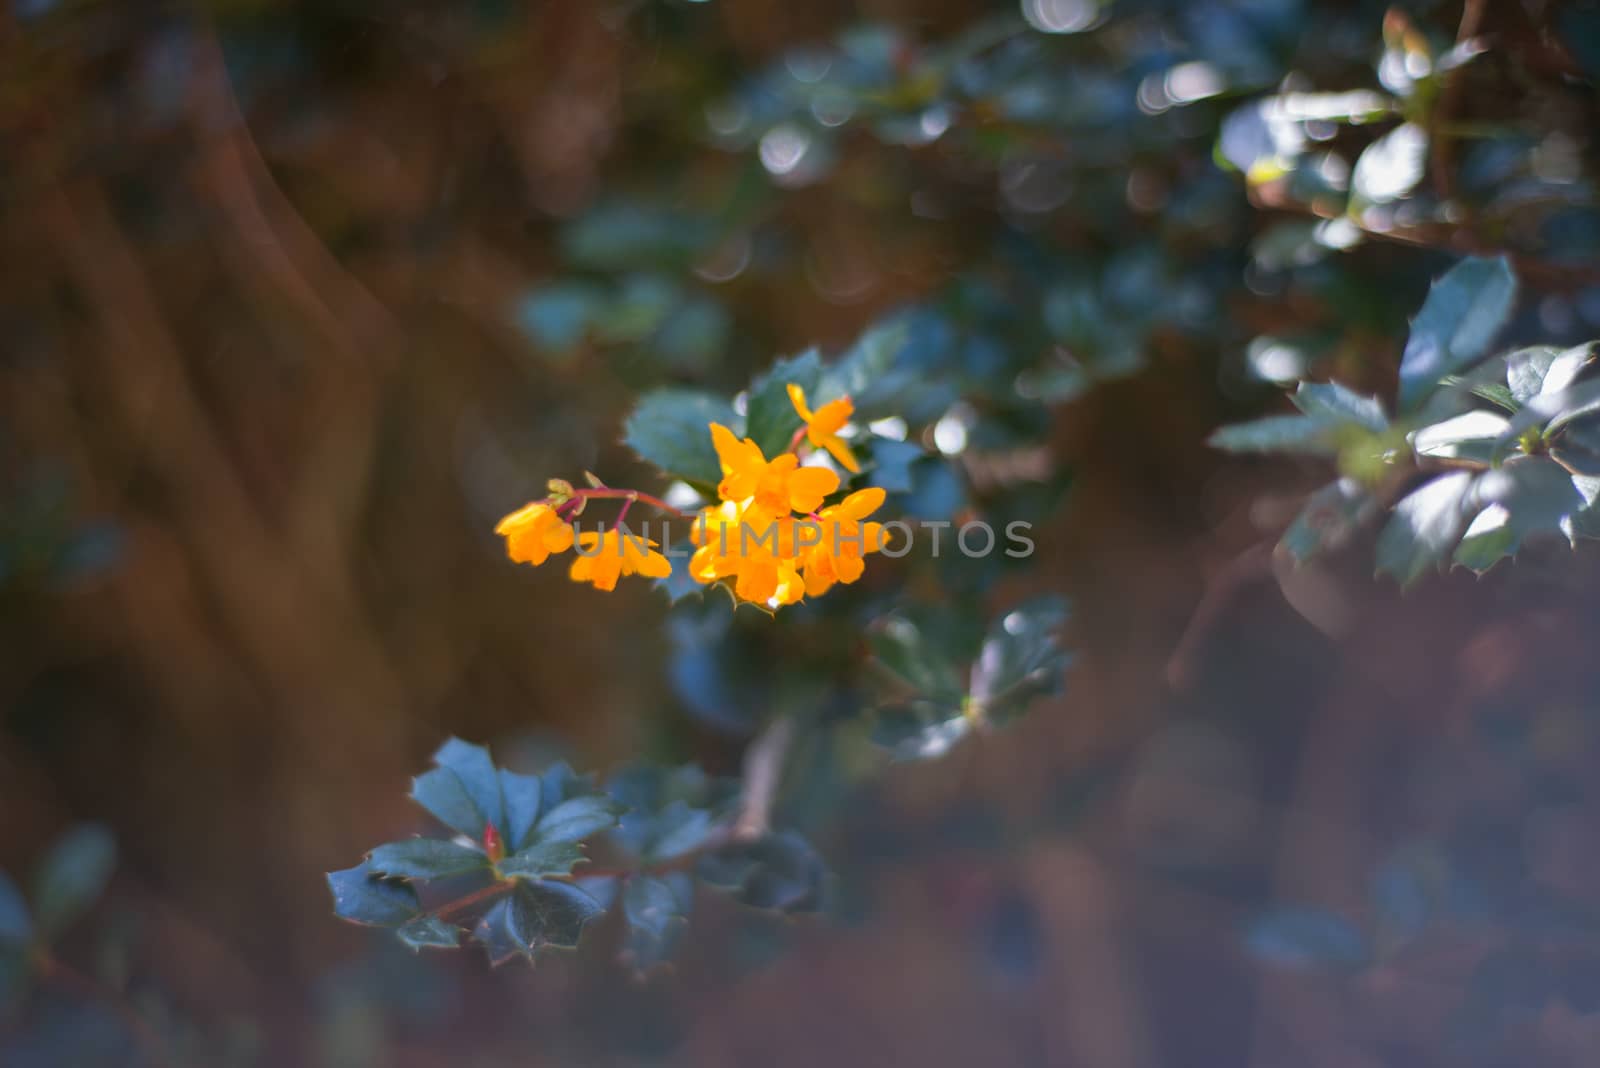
x=763, y=773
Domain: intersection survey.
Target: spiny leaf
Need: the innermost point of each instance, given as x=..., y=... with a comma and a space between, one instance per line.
x=669, y=428
x=361, y=895
x=771, y=419
x=1425, y=527
x=426, y=858
x=442, y=793
x=429, y=931
x=1464, y=310
x=476, y=770
x=549, y=914
x=575, y=820
x=541, y=859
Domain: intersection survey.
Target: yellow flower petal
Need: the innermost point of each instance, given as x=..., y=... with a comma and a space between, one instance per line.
x=797, y=397
x=829, y=418
x=861, y=503
x=841, y=452
x=809, y=485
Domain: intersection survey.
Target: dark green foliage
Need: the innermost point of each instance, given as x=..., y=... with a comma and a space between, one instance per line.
x=527, y=898
x=668, y=429
x=929, y=708
x=1512, y=431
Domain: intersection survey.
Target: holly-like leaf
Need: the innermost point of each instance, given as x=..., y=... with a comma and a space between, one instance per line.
x=363, y=896
x=1304, y=938
x=16, y=923
x=1327, y=520
x=426, y=858
x=670, y=428
x=1464, y=310
x=677, y=829
x=478, y=776
x=1278, y=433
x=443, y=794
x=72, y=875
x=656, y=908
x=1527, y=496
x=1021, y=659
x=521, y=796
x=771, y=419
x=429, y=932
x=1469, y=436
x=909, y=650
x=1334, y=404
x=862, y=373
x=575, y=820
x=493, y=932
x=1545, y=369
x=777, y=871
x=543, y=914
x=920, y=730
x=541, y=859
x=1425, y=527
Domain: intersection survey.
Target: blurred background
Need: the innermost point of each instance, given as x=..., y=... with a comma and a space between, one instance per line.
x=300, y=297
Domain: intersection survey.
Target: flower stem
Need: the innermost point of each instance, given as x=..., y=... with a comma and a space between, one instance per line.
x=629, y=495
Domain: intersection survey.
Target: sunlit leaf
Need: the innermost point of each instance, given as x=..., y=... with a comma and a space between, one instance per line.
x=1464, y=311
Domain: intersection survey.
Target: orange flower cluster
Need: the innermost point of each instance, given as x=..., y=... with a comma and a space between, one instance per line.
x=753, y=535
x=766, y=533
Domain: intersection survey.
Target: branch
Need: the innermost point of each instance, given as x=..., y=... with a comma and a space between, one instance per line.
x=763, y=773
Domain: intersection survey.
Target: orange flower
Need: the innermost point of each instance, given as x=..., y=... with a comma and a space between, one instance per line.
x=603, y=558
x=824, y=424
x=533, y=532
x=844, y=541
x=776, y=486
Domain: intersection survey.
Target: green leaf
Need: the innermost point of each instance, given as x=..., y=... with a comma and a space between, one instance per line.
x=493, y=932
x=656, y=908
x=861, y=373
x=777, y=871
x=443, y=794
x=575, y=820
x=541, y=859
x=1333, y=404
x=908, y=650
x=677, y=829
x=477, y=773
x=1327, y=520
x=1458, y=321
x=16, y=925
x=549, y=914
x=670, y=428
x=1545, y=369
x=1528, y=495
x=1468, y=436
x=362, y=896
x=1021, y=659
x=1278, y=433
x=920, y=730
x=426, y=858
x=521, y=796
x=72, y=875
x=1425, y=527
x=771, y=419
x=429, y=932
